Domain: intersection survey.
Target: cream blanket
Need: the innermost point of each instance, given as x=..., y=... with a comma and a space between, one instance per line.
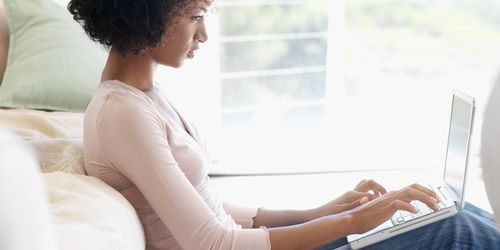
x=86, y=213
x=56, y=137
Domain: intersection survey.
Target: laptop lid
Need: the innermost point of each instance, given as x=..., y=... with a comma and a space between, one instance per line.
x=457, y=150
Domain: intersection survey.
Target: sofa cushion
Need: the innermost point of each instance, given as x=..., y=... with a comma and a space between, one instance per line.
x=88, y=214
x=51, y=64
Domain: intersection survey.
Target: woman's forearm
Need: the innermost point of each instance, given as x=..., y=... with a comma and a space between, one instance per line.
x=280, y=218
x=311, y=234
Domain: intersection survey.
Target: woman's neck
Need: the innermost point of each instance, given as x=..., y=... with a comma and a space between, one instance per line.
x=134, y=70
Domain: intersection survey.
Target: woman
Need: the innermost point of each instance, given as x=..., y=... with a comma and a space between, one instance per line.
x=137, y=142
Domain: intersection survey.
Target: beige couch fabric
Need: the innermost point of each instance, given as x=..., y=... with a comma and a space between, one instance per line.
x=86, y=213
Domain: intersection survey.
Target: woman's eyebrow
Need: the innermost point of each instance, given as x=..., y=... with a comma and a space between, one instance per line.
x=204, y=9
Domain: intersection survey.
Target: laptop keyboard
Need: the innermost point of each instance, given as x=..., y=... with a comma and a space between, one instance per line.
x=402, y=216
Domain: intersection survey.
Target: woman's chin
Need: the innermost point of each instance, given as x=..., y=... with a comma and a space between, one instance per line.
x=176, y=64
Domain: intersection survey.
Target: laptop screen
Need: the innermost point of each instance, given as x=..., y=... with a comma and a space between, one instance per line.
x=462, y=113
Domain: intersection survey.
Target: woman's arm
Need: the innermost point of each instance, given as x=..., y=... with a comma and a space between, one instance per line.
x=279, y=218
x=312, y=234
x=361, y=219
x=351, y=199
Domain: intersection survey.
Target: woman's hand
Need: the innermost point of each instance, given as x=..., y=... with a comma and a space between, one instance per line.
x=377, y=211
x=365, y=191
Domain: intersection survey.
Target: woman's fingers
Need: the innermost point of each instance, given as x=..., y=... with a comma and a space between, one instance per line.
x=401, y=205
x=370, y=185
x=379, y=188
x=409, y=194
x=364, y=200
x=357, y=195
x=426, y=190
x=358, y=198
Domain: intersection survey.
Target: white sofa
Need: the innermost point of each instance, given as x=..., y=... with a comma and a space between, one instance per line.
x=82, y=212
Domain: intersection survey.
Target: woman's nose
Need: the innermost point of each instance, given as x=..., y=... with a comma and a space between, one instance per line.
x=201, y=35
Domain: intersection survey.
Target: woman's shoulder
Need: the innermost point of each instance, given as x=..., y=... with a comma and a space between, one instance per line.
x=114, y=99
x=116, y=92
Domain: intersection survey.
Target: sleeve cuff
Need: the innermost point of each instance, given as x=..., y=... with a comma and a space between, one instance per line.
x=242, y=215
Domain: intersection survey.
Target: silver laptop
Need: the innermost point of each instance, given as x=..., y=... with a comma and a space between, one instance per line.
x=450, y=190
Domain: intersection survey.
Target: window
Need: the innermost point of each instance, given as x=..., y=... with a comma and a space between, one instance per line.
x=273, y=57
x=403, y=58
x=316, y=85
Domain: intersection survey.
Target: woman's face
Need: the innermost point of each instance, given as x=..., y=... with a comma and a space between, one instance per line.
x=183, y=39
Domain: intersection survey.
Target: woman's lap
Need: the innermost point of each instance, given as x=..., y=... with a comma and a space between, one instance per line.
x=471, y=228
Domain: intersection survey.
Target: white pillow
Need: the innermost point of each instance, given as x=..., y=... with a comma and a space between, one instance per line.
x=24, y=209
x=56, y=137
x=88, y=214
x=490, y=149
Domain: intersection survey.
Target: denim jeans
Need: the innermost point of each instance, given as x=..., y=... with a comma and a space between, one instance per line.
x=471, y=228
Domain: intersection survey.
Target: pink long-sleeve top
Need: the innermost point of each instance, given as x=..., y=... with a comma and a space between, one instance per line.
x=137, y=143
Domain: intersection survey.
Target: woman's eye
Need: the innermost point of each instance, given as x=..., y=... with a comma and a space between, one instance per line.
x=196, y=18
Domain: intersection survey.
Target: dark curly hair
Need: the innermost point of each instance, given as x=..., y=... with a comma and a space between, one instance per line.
x=130, y=26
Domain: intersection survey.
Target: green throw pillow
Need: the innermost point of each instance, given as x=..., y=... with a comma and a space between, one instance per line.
x=52, y=64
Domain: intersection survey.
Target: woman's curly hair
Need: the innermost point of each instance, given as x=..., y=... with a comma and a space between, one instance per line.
x=130, y=26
